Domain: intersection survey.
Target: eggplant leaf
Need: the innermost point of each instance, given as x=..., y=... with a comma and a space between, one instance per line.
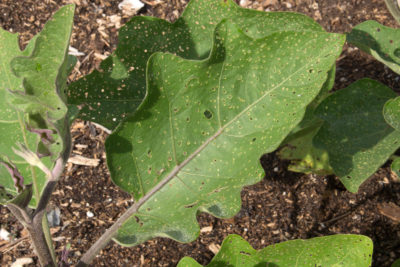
x=108, y=95
x=334, y=250
x=382, y=42
x=197, y=138
x=32, y=85
x=354, y=133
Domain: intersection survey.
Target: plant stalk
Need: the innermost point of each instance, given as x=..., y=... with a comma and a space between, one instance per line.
x=40, y=245
x=47, y=235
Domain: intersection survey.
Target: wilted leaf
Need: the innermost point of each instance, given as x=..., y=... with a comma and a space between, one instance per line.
x=33, y=81
x=355, y=133
x=108, y=95
x=197, y=138
x=380, y=41
x=334, y=250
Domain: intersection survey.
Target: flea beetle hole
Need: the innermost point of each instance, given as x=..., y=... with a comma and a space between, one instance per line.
x=208, y=114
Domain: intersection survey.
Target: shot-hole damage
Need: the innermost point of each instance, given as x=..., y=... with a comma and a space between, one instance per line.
x=208, y=114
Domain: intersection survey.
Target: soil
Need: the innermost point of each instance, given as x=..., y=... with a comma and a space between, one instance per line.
x=284, y=206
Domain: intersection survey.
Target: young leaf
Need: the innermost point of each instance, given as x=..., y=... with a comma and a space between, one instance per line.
x=355, y=133
x=391, y=112
x=380, y=41
x=31, y=88
x=334, y=250
x=303, y=155
x=196, y=139
x=108, y=95
x=298, y=146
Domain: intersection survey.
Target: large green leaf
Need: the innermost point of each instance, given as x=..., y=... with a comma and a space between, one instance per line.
x=32, y=84
x=197, y=138
x=355, y=133
x=334, y=250
x=106, y=96
x=380, y=41
x=391, y=112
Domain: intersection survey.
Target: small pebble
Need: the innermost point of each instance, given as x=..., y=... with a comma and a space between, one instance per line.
x=89, y=214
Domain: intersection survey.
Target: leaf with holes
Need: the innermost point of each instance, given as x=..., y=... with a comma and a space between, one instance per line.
x=354, y=133
x=334, y=250
x=32, y=107
x=380, y=41
x=196, y=139
x=106, y=96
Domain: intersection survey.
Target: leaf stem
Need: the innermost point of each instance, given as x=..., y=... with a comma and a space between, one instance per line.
x=36, y=224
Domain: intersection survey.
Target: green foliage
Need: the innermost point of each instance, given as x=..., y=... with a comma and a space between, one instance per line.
x=204, y=124
x=395, y=166
x=298, y=146
x=108, y=95
x=380, y=41
x=32, y=85
x=391, y=112
x=396, y=263
x=384, y=44
x=335, y=250
x=354, y=133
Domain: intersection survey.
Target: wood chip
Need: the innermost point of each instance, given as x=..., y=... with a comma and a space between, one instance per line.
x=214, y=248
x=80, y=160
x=206, y=229
x=80, y=146
x=21, y=262
x=390, y=210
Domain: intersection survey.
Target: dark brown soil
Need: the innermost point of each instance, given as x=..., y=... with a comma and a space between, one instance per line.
x=282, y=207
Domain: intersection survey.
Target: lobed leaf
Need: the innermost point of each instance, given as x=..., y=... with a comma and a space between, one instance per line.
x=354, y=133
x=334, y=250
x=32, y=84
x=108, y=95
x=196, y=139
x=380, y=41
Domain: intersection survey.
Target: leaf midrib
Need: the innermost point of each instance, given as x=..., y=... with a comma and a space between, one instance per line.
x=177, y=168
